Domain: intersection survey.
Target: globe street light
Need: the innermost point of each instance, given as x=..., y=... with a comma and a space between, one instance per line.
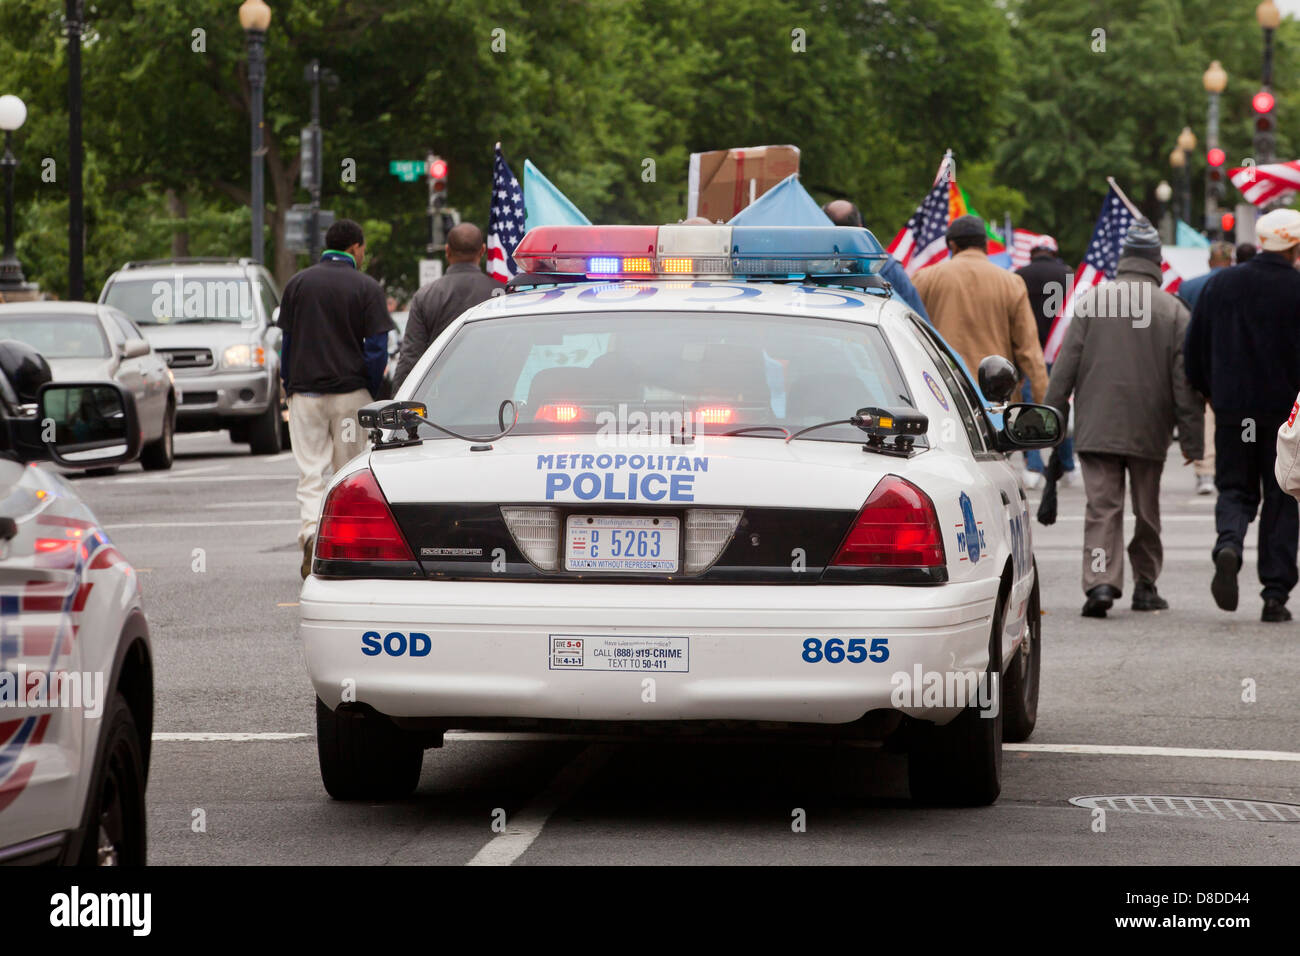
x=255, y=17
x=1186, y=143
x=13, y=113
x=1214, y=80
x=1165, y=192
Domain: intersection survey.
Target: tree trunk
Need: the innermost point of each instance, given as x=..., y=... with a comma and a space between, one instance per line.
x=177, y=210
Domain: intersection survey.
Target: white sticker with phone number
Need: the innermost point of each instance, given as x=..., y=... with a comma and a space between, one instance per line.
x=587, y=652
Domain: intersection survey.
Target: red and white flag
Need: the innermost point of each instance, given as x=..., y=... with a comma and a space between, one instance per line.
x=505, y=220
x=1025, y=243
x=921, y=242
x=1272, y=182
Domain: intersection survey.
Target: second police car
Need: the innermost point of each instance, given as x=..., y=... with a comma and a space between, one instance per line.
x=681, y=476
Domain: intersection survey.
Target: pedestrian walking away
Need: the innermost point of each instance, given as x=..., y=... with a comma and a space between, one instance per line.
x=842, y=212
x=335, y=327
x=1221, y=257
x=1045, y=277
x=981, y=309
x=442, y=301
x=1122, y=359
x=1243, y=354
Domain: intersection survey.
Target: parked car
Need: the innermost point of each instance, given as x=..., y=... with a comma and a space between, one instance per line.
x=75, y=730
x=85, y=342
x=213, y=321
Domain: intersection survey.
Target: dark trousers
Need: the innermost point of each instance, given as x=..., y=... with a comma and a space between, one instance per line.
x=1243, y=474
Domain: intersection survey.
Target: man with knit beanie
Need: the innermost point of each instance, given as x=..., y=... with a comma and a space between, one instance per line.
x=1122, y=358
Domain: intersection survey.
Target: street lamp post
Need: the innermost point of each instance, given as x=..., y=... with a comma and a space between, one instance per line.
x=255, y=17
x=1165, y=192
x=13, y=113
x=1215, y=79
x=1268, y=16
x=315, y=74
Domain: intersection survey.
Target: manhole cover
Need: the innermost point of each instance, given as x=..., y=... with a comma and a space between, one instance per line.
x=1203, y=808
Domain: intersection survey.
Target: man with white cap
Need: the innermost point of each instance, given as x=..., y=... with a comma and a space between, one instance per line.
x=1243, y=354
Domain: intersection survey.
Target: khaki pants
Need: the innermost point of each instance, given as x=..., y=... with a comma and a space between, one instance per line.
x=1103, y=528
x=1206, y=465
x=325, y=437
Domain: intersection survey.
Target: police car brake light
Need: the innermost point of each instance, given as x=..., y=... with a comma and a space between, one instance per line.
x=719, y=251
x=897, y=527
x=357, y=525
x=559, y=412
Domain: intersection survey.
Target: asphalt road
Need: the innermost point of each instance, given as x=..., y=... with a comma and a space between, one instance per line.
x=213, y=541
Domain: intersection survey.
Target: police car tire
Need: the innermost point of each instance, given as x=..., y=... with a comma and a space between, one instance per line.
x=1021, y=682
x=365, y=756
x=264, y=432
x=960, y=763
x=117, y=790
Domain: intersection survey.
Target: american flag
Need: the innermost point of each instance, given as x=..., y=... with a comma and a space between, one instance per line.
x=1100, y=262
x=506, y=221
x=1025, y=243
x=921, y=242
x=1272, y=182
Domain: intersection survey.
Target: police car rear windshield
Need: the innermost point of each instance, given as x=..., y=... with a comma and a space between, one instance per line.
x=662, y=373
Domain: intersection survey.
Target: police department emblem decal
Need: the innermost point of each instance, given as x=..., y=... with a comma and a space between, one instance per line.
x=970, y=531
x=935, y=389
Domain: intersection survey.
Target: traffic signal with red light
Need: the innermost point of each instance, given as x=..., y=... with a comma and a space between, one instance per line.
x=1228, y=222
x=1263, y=102
x=1215, y=157
x=437, y=173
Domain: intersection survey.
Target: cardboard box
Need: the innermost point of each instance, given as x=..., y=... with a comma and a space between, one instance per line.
x=724, y=181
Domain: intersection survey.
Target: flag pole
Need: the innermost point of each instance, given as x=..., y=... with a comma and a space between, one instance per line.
x=1137, y=213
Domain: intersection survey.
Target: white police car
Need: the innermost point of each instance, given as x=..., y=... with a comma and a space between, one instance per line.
x=76, y=671
x=683, y=476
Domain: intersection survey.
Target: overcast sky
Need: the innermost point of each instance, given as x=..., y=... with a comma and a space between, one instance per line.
x=1289, y=6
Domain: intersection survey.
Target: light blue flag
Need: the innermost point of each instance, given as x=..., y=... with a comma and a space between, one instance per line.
x=785, y=204
x=544, y=205
x=1187, y=236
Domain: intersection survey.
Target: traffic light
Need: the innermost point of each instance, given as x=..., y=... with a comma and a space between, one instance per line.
x=1227, y=222
x=1263, y=103
x=438, y=180
x=1214, y=160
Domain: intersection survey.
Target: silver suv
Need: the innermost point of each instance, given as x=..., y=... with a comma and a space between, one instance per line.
x=213, y=321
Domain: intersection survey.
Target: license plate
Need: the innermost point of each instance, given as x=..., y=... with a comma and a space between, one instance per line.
x=621, y=543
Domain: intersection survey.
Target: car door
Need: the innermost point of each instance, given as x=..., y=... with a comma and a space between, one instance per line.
x=1012, y=503
x=42, y=587
x=145, y=374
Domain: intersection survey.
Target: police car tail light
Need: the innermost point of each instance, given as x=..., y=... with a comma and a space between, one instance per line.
x=707, y=533
x=715, y=415
x=897, y=527
x=537, y=533
x=357, y=525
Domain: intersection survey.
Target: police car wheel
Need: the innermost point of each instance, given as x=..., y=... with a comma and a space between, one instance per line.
x=264, y=432
x=1020, y=684
x=365, y=756
x=115, y=830
x=960, y=763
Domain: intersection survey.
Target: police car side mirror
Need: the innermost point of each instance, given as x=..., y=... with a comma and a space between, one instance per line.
x=997, y=378
x=88, y=425
x=1030, y=426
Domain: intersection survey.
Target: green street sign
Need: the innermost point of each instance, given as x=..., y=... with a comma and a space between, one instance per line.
x=407, y=170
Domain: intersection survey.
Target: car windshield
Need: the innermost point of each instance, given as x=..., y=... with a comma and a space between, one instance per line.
x=655, y=373
x=179, y=299
x=57, y=336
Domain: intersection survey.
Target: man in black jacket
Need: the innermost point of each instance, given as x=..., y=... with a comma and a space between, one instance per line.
x=442, y=301
x=335, y=344
x=1243, y=353
x=1045, y=278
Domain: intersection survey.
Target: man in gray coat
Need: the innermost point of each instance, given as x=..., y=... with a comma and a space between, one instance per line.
x=1123, y=360
x=441, y=302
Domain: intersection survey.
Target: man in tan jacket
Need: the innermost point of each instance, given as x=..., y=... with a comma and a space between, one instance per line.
x=980, y=309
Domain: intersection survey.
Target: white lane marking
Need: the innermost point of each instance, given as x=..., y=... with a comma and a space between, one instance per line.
x=176, y=479
x=280, y=457
x=196, y=524
x=1128, y=519
x=592, y=763
x=277, y=502
x=526, y=825
x=1114, y=750
x=243, y=738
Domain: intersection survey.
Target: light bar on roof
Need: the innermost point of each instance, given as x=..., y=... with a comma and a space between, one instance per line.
x=647, y=252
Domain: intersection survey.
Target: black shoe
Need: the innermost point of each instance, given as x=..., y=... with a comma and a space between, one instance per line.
x=308, y=547
x=1224, y=586
x=1099, y=601
x=1145, y=598
x=1274, y=611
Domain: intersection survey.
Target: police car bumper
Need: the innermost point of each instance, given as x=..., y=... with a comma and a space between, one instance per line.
x=808, y=654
